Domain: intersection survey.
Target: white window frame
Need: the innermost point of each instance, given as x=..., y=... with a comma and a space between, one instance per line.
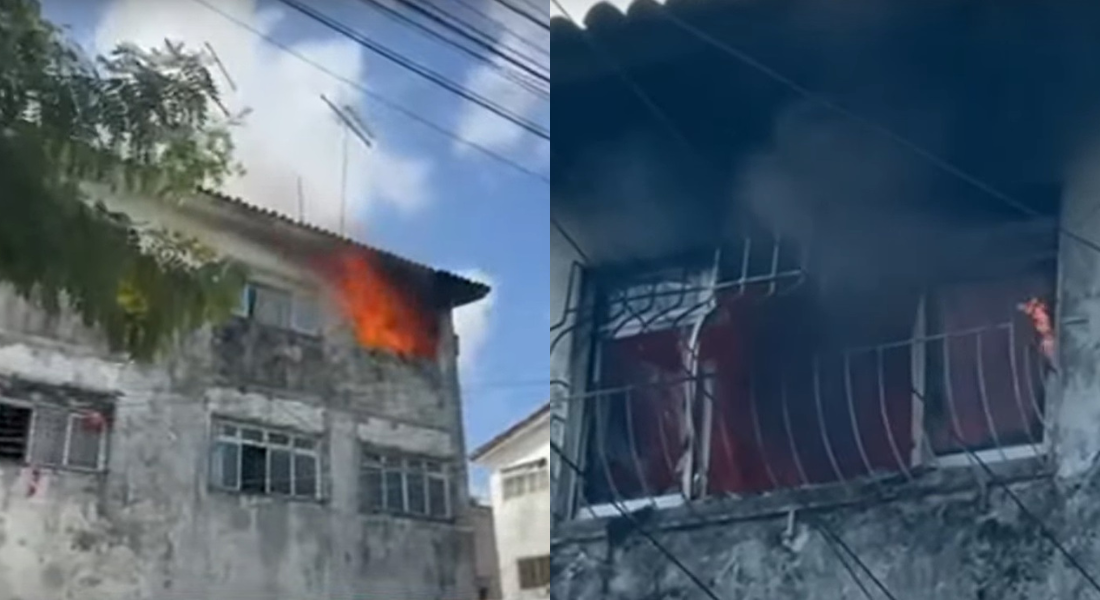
x=73, y=418
x=219, y=436
x=297, y=301
x=522, y=473
x=922, y=452
x=442, y=474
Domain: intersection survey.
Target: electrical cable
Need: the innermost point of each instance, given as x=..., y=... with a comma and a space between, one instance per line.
x=524, y=14
x=847, y=567
x=381, y=99
x=706, y=589
x=878, y=128
x=502, y=26
x=424, y=72
x=487, y=46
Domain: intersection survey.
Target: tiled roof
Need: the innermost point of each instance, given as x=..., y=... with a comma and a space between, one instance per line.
x=460, y=289
x=511, y=431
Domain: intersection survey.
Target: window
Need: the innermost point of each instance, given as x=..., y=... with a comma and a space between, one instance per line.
x=53, y=436
x=525, y=479
x=534, y=572
x=280, y=308
x=785, y=390
x=254, y=460
x=404, y=485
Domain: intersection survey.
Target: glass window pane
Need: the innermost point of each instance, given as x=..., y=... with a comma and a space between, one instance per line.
x=307, y=315
x=225, y=465
x=437, y=497
x=271, y=306
x=305, y=475
x=229, y=431
x=372, y=497
x=253, y=469
x=279, y=481
x=303, y=443
x=255, y=435
x=15, y=427
x=85, y=435
x=278, y=439
x=395, y=491
x=50, y=426
x=418, y=503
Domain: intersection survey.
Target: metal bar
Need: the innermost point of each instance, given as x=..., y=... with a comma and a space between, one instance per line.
x=821, y=421
x=949, y=394
x=790, y=431
x=852, y=413
x=1015, y=373
x=983, y=395
x=881, y=368
x=759, y=434
x=632, y=442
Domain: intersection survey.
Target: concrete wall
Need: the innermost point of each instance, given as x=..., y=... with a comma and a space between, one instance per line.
x=150, y=527
x=950, y=534
x=486, y=559
x=522, y=523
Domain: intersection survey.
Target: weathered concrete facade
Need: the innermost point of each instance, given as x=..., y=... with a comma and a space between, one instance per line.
x=150, y=525
x=950, y=533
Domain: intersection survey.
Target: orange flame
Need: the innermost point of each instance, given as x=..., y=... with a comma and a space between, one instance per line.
x=1039, y=313
x=384, y=316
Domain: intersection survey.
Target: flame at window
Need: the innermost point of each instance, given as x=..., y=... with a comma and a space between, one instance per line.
x=383, y=315
x=1039, y=313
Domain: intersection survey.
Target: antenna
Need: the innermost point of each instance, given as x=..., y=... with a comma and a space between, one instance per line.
x=221, y=66
x=301, y=202
x=352, y=124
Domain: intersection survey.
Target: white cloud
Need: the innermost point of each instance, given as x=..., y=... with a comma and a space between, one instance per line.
x=472, y=322
x=489, y=130
x=291, y=133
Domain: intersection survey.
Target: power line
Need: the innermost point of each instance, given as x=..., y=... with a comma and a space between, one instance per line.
x=524, y=14
x=432, y=33
x=488, y=46
x=882, y=130
x=473, y=8
x=423, y=72
x=381, y=99
x=636, y=526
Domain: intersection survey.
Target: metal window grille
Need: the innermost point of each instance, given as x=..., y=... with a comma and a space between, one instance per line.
x=53, y=436
x=404, y=485
x=256, y=460
x=696, y=397
x=534, y=572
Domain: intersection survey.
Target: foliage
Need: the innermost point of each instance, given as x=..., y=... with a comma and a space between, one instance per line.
x=140, y=122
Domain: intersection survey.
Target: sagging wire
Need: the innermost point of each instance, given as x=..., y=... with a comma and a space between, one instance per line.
x=1044, y=530
x=835, y=543
x=636, y=526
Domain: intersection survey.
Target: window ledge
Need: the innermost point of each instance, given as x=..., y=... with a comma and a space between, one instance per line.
x=714, y=511
x=250, y=499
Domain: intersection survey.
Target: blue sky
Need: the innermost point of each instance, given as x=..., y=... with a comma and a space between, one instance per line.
x=419, y=193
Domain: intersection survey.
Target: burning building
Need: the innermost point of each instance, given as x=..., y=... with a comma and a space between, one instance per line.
x=311, y=447
x=827, y=276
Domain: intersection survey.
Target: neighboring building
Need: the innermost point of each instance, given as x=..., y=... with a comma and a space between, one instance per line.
x=799, y=358
x=519, y=462
x=486, y=559
x=272, y=458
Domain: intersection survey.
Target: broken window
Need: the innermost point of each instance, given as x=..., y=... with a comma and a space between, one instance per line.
x=254, y=460
x=708, y=388
x=534, y=572
x=525, y=479
x=52, y=436
x=397, y=484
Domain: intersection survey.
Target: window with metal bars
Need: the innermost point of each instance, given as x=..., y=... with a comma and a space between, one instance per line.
x=256, y=460
x=53, y=436
x=703, y=389
x=395, y=483
x=534, y=572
